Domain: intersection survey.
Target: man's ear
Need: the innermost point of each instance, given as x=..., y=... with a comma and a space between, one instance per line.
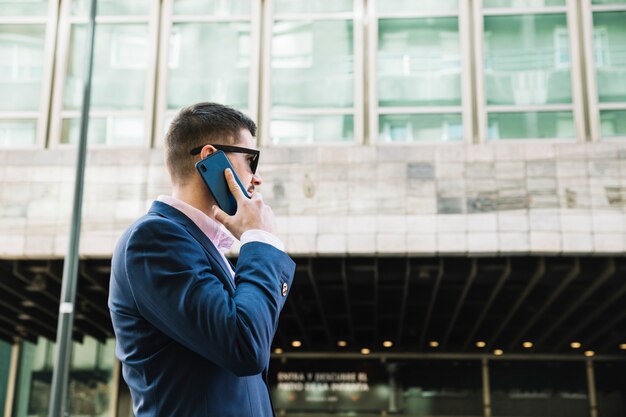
x=207, y=150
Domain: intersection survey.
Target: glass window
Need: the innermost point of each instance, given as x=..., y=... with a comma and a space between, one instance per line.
x=610, y=379
x=493, y=4
x=419, y=73
x=613, y=123
x=441, y=388
x=212, y=7
x=21, y=66
x=527, y=71
x=119, y=69
x=419, y=62
x=527, y=59
x=23, y=8
x=409, y=6
x=90, y=380
x=312, y=76
x=531, y=125
x=5, y=366
x=16, y=132
x=420, y=127
x=607, y=2
x=200, y=68
x=609, y=42
x=113, y=130
x=312, y=64
x=311, y=129
x=529, y=389
x=111, y=7
x=22, y=71
x=312, y=6
x=121, y=75
x=211, y=56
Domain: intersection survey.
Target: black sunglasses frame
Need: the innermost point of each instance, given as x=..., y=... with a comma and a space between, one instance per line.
x=234, y=149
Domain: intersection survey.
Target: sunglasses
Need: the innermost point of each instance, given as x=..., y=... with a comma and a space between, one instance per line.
x=233, y=149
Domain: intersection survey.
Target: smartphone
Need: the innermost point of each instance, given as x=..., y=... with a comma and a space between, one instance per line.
x=211, y=170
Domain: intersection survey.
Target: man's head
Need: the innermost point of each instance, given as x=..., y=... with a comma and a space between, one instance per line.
x=203, y=124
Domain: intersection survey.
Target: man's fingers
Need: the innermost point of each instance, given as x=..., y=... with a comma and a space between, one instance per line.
x=219, y=214
x=232, y=184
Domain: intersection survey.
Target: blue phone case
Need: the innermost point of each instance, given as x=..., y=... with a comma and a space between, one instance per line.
x=211, y=170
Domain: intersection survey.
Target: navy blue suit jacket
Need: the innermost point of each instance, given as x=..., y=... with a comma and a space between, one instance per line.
x=191, y=343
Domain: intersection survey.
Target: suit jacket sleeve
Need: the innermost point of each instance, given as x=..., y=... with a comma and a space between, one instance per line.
x=176, y=289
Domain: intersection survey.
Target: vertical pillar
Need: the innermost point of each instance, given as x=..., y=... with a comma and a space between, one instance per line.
x=115, y=389
x=12, y=380
x=486, y=389
x=591, y=384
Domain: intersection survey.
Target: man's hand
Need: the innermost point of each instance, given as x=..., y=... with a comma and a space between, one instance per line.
x=252, y=213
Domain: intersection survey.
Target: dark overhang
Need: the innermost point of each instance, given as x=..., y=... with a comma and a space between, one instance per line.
x=364, y=301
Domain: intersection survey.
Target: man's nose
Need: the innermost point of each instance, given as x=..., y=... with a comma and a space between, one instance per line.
x=257, y=180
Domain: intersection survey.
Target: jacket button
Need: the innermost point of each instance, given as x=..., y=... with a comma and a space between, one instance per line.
x=285, y=288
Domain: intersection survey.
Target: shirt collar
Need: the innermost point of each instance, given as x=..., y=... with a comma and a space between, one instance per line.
x=216, y=233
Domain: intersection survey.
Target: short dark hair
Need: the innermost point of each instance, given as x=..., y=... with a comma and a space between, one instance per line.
x=198, y=125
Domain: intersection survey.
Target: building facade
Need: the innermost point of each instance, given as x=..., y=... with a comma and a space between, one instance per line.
x=472, y=149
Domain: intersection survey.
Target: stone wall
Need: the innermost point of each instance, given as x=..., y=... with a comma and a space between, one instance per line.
x=510, y=198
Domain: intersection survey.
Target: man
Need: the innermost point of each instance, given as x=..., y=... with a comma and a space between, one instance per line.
x=193, y=332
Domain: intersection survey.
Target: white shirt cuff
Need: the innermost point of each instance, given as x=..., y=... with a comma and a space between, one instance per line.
x=257, y=235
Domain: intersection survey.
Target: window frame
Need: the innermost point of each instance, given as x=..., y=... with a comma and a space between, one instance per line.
x=358, y=47
x=49, y=20
x=593, y=99
x=66, y=22
x=168, y=19
x=464, y=109
x=483, y=109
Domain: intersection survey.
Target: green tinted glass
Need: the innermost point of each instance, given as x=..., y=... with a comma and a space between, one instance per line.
x=607, y=2
x=492, y=4
x=312, y=64
x=420, y=127
x=112, y=7
x=23, y=8
x=21, y=66
x=417, y=6
x=201, y=68
x=116, y=131
x=212, y=7
x=312, y=6
x=119, y=70
x=311, y=129
x=527, y=59
x=531, y=125
x=18, y=132
x=419, y=62
x=609, y=42
x=613, y=123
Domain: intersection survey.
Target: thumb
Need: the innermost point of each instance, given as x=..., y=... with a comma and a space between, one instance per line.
x=220, y=215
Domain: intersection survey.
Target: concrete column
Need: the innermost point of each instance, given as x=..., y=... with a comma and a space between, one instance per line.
x=12, y=380
x=486, y=389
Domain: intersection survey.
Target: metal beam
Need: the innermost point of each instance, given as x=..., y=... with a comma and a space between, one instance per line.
x=506, y=273
x=599, y=309
x=431, y=306
x=340, y=356
x=459, y=304
x=303, y=332
x=63, y=350
x=608, y=326
x=539, y=273
x=376, y=291
x=318, y=298
x=608, y=271
x=346, y=294
x=573, y=273
x=405, y=298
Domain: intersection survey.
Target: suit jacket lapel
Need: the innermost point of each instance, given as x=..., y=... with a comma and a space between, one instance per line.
x=170, y=212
